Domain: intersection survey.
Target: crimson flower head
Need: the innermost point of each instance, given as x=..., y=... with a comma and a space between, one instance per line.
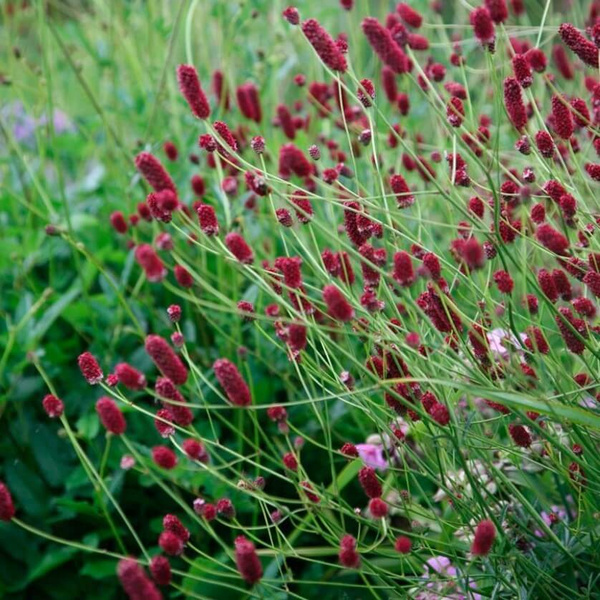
x=189, y=85
x=513, y=101
x=324, y=45
x=485, y=534
x=148, y=259
x=290, y=461
x=161, y=570
x=164, y=457
x=232, y=382
x=455, y=111
x=277, y=414
x=174, y=312
x=403, y=269
x=226, y=135
x=293, y=161
x=239, y=248
x=257, y=143
x=520, y=435
x=171, y=543
x=118, y=222
x=403, y=545
x=225, y=508
x=90, y=369
x=504, y=281
x=195, y=450
x=53, y=406
x=593, y=170
x=369, y=482
x=581, y=114
x=348, y=555
x=378, y=508
x=111, y=416
x=409, y=15
x=522, y=70
x=174, y=401
x=349, y=450
x=291, y=15
x=537, y=59
x=153, y=172
x=130, y=377
x=366, y=92
x=337, y=306
x=286, y=121
x=207, y=219
x=172, y=523
x=136, y=584
x=165, y=359
x=249, y=102
x=562, y=120
x=498, y=10
x=290, y=268
x=550, y=238
x=483, y=26
x=198, y=185
x=247, y=560
x=302, y=206
x=592, y=280
x=7, y=508
x=183, y=276
x=284, y=217
x=385, y=47
x=579, y=44
x=403, y=193
x=170, y=150
x=163, y=422
x=545, y=144
x=572, y=330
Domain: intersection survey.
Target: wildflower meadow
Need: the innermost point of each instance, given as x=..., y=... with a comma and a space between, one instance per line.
x=299, y=301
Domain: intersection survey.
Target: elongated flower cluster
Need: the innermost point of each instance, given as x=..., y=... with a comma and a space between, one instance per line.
x=348, y=555
x=53, y=406
x=483, y=26
x=153, y=172
x=232, y=382
x=90, y=369
x=130, y=377
x=111, y=416
x=165, y=359
x=337, y=306
x=190, y=88
x=149, y=260
x=513, y=101
x=173, y=401
x=324, y=45
x=384, y=45
x=485, y=534
x=579, y=44
x=247, y=560
x=136, y=584
x=239, y=248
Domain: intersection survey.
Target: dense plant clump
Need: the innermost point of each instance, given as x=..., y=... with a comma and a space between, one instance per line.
x=366, y=364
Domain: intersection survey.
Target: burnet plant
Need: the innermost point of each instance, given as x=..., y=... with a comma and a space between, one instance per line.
x=425, y=291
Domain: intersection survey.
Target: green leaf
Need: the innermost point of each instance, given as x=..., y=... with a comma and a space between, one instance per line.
x=52, y=560
x=52, y=455
x=28, y=489
x=50, y=315
x=99, y=568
